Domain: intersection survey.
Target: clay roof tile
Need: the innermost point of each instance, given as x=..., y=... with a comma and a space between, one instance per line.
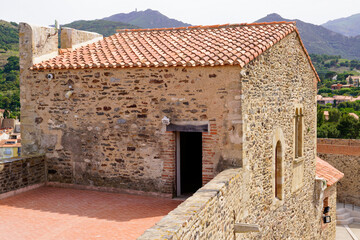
x=326, y=171
x=184, y=46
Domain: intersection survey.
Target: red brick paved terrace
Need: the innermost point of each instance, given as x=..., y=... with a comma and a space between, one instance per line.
x=59, y=213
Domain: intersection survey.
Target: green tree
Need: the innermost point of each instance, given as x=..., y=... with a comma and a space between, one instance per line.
x=6, y=114
x=328, y=130
x=12, y=64
x=348, y=127
x=11, y=77
x=5, y=103
x=324, y=90
x=320, y=117
x=334, y=115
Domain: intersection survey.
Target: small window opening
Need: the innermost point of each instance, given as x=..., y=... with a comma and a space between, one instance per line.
x=326, y=204
x=7, y=151
x=326, y=212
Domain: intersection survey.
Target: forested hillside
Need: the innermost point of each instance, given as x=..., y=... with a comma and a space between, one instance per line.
x=9, y=41
x=9, y=36
x=106, y=28
x=9, y=86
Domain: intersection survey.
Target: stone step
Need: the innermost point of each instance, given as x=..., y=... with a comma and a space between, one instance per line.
x=355, y=214
x=343, y=216
x=341, y=211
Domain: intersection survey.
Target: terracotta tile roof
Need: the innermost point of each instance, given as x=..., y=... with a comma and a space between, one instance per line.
x=328, y=172
x=328, y=99
x=235, y=44
x=340, y=97
x=353, y=77
x=354, y=115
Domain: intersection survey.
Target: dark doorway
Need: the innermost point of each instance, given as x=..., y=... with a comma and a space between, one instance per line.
x=190, y=162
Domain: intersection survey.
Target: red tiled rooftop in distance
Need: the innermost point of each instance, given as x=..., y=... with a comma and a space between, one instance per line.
x=328, y=172
x=5, y=143
x=231, y=44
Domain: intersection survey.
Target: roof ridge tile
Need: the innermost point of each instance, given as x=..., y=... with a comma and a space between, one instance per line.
x=217, y=26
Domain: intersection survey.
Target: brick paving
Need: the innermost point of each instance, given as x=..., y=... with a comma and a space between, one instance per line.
x=59, y=213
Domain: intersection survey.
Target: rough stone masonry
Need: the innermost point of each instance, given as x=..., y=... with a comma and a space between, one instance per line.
x=109, y=132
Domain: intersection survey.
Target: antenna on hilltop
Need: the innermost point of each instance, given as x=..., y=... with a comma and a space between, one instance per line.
x=56, y=25
x=135, y=9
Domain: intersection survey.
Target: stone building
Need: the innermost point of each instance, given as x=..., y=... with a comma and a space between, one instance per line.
x=328, y=198
x=344, y=154
x=166, y=110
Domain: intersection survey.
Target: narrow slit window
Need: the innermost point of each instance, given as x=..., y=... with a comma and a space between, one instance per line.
x=298, y=132
x=278, y=171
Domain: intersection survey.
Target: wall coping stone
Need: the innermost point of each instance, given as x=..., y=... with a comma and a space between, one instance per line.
x=338, y=141
x=339, y=146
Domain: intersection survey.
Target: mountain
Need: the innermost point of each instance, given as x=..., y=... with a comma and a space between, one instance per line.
x=106, y=28
x=349, y=26
x=146, y=19
x=320, y=40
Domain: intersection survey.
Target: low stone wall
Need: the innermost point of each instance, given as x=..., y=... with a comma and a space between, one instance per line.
x=208, y=214
x=348, y=147
x=18, y=173
x=343, y=154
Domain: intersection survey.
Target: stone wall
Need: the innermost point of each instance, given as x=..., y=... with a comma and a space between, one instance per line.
x=8, y=123
x=343, y=154
x=18, y=173
x=212, y=212
x=272, y=87
x=209, y=214
x=72, y=38
x=109, y=132
x=35, y=44
x=328, y=230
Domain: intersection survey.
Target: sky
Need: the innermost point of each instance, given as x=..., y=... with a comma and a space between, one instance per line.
x=195, y=12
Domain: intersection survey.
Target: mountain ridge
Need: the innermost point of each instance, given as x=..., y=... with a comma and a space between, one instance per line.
x=348, y=26
x=320, y=40
x=146, y=19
